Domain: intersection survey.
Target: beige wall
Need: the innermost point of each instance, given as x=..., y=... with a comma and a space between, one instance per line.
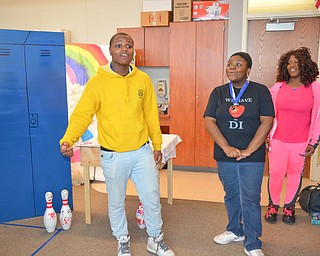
x=90, y=21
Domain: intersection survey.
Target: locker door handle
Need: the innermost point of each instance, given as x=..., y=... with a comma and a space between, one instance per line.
x=33, y=120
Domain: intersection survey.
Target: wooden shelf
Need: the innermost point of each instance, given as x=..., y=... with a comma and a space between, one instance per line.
x=164, y=120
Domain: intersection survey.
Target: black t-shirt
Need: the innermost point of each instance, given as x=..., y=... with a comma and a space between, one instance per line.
x=239, y=131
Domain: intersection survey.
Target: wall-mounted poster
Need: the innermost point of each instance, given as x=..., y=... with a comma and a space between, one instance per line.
x=210, y=10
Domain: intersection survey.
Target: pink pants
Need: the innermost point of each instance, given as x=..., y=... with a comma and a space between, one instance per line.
x=285, y=160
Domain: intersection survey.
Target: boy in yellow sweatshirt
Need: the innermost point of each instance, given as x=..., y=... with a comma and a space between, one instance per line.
x=123, y=99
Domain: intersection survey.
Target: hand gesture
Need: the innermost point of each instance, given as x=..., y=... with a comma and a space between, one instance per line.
x=308, y=152
x=66, y=150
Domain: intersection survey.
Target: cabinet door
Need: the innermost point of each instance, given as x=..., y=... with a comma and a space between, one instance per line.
x=138, y=36
x=209, y=74
x=16, y=190
x=156, y=46
x=182, y=89
x=46, y=78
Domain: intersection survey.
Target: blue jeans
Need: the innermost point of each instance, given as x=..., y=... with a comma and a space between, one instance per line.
x=242, y=185
x=139, y=166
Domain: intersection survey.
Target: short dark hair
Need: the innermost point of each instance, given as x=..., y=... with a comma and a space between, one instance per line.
x=118, y=34
x=244, y=55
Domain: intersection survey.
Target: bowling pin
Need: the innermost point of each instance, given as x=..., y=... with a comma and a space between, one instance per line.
x=50, y=216
x=65, y=212
x=140, y=217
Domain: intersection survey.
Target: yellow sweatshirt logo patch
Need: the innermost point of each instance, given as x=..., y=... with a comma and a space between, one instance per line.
x=140, y=93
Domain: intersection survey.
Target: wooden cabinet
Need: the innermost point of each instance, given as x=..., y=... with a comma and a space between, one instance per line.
x=151, y=45
x=164, y=124
x=196, y=67
x=156, y=46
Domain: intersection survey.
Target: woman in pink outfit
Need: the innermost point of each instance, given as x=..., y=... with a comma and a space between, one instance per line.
x=296, y=128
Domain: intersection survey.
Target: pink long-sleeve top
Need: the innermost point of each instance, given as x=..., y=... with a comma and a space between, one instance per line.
x=314, y=131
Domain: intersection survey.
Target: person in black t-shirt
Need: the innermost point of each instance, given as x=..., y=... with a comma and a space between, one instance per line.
x=238, y=117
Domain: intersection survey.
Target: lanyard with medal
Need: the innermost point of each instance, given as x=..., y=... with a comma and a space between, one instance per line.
x=237, y=110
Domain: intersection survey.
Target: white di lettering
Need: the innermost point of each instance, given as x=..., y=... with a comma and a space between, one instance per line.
x=235, y=125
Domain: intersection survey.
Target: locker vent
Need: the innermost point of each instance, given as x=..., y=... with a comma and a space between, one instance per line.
x=45, y=53
x=4, y=52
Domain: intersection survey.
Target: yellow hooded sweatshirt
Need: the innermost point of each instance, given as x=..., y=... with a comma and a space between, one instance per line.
x=126, y=110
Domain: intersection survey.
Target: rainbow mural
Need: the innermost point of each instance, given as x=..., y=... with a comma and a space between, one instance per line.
x=82, y=62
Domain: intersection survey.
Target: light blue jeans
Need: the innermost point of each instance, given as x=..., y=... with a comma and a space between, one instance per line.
x=242, y=185
x=140, y=167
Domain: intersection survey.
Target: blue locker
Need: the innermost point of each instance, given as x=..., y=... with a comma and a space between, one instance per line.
x=33, y=117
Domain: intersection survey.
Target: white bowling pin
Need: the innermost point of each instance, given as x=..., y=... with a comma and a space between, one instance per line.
x=65, y=212
x=50, y=216
x=140, y=217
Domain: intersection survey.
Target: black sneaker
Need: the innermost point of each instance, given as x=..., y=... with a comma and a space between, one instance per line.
x=271, y=214
x=288, y=215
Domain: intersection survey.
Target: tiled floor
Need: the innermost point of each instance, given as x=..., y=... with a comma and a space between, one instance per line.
x=192, y=186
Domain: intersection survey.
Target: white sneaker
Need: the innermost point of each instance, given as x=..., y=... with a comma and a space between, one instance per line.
x=157, y=246
x=227, y=237
x=256, y=252
x=124, y=246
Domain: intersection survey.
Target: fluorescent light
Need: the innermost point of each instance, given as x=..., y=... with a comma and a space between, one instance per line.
x=273, y=6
